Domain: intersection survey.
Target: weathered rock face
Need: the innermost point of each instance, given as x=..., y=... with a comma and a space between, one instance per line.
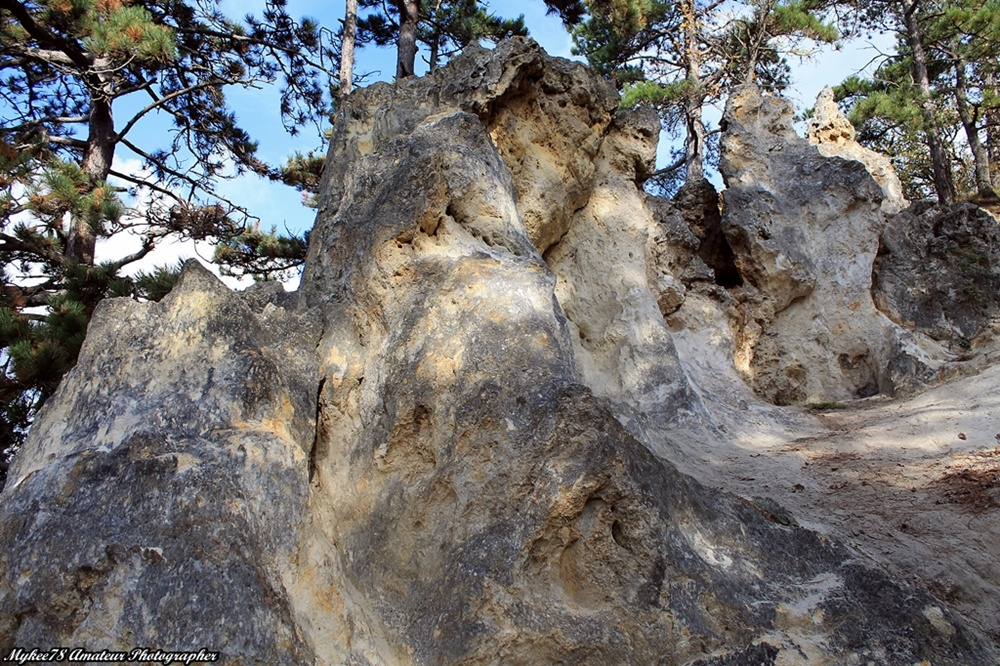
x=805, y=231
x=450, y=446
x=833, y=134
x=161, y=498
x=938, y=271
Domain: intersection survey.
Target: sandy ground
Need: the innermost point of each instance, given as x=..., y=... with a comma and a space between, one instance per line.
x=913, y=484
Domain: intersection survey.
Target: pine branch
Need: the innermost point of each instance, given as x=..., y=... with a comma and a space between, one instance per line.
x=33, y=296
x=16, y=245
x=160, y=101
x=70, y=49
x=256, y=42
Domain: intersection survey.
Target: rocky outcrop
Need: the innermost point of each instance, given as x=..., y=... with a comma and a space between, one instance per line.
x=805, y=230
x=452, y=445
x=938, y=272
x=162, y=497
x=834, y=135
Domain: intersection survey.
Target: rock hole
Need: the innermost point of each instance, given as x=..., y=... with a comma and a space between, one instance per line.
x=699, y=205
x=618, y=534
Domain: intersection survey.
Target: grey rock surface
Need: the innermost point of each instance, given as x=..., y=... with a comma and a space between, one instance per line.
x=938, y=272
x=805, y=231
x=453, y=444
x=161, y=495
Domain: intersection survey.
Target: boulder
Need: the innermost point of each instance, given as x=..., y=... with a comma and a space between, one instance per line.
x=161, y=497
x=451, y=446
x=938, y=272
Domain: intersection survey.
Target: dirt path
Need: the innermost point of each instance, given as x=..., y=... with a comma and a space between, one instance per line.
x=913, y=484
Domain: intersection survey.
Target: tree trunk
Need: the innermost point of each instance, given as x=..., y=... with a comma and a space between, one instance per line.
x=993, y=121
x=347, y=49
x=943, y=183
x=406, y=46
x=984, y=182
x=435, y=50
x=695, y=147
x=97, y=165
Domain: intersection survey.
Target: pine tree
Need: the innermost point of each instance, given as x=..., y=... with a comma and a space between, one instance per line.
x=930, y=107
x=444, y=27
x=348, y=38
x=67, y=68
x=681, y=56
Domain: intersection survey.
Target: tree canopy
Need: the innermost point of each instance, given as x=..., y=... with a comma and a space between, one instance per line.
x=933, y=104
x=444, y=27
x=682, y=56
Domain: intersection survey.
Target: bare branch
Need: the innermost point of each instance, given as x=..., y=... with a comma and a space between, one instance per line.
x=143, y=183
x=258, y=42
x=195, y=185
x=668, y=169
x=68, y=141
x=160, y=101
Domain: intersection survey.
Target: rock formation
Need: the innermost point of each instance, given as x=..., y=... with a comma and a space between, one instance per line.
x=938, y=272
x=805, y=231
x=453, y=444
x=833, y=134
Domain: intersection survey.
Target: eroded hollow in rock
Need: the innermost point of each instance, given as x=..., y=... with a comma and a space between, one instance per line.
x=699, y=205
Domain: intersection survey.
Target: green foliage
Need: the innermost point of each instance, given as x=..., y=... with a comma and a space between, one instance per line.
x=797, y=18
x=158, y=283
x=656, y=94
x=127, y=32
x=824, y=406
x=262, y=255
x=303, y=172
x=570, y=11
x=616, y=31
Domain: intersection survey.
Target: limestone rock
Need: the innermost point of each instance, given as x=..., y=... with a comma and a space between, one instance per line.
x=938, y=272
x=805, y=231
x=160, y=498
x=833, y=134
x=699, y=204
x=451, y=446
